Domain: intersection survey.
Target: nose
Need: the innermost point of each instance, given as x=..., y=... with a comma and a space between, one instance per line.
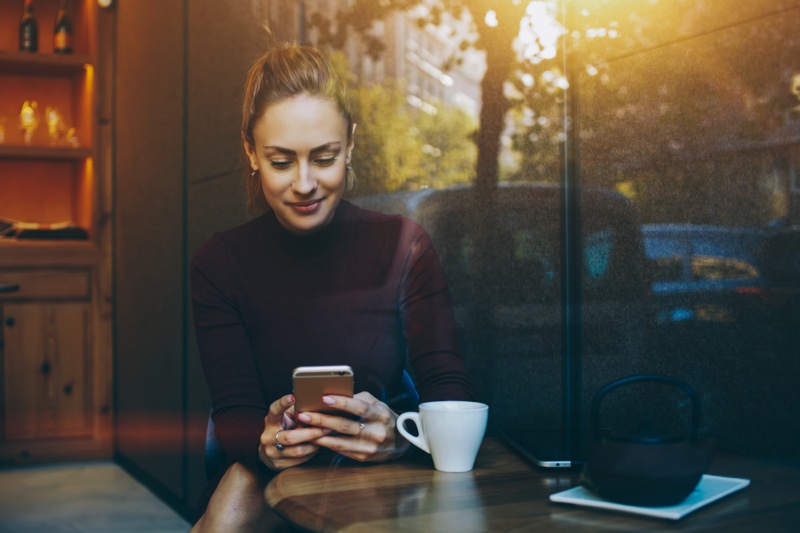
x=304, y=182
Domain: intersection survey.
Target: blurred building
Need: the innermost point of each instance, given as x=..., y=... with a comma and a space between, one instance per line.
x=415, y=55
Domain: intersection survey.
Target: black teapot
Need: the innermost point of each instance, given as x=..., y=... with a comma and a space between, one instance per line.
x=646, y=467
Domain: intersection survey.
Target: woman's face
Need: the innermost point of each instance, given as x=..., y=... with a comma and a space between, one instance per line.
x=301, y=153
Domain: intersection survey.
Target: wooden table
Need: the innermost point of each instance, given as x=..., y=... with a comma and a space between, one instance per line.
x=506, y=493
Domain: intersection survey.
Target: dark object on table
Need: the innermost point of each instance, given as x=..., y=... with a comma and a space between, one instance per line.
x=70, y=232
x=33, y=230
x=647, y=467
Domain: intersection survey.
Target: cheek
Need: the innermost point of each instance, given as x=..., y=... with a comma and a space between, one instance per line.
x=333, y=177
x=273, y=184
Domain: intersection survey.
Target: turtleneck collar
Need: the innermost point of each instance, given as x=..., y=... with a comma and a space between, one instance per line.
x=315, y=244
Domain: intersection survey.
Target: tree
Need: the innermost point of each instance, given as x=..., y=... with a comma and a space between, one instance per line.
x=496, y=25
x=660, y=82
x=686, y=104
x=449, y=149
x=683, y=104
x=387, y=158
x=399, y=151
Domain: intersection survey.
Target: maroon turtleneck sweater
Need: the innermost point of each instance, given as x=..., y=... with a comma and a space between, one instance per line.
x=364, y=291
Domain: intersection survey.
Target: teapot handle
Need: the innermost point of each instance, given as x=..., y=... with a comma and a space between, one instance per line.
x=689, y=391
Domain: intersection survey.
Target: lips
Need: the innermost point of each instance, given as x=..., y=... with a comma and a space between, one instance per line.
x=306, y=207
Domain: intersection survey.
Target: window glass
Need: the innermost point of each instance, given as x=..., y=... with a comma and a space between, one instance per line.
x=691, y=109
x=679, y=122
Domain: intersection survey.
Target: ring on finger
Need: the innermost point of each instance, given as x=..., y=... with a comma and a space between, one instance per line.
x=278, y=444
x=360, y=428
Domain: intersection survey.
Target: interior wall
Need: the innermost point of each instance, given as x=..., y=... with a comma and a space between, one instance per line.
x=149, y=195
x=180, y=72
x=224, y=38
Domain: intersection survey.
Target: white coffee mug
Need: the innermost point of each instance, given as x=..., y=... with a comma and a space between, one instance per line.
x=451, y=431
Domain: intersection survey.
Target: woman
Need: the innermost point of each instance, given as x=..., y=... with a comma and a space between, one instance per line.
x=312, y=281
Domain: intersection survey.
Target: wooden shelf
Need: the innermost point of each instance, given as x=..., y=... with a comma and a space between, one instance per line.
x=63, y=312
x=44, y=152
x=12, y=62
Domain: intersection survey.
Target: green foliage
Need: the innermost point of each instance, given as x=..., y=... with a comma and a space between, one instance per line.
x=449, y=148
x=356, y=18
x=397, y=150
x=388, y=154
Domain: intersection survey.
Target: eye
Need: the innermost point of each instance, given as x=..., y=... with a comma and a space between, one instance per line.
x=280, y=165
x=325, y=161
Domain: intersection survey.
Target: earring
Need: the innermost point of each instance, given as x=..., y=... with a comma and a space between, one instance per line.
x=253, y=173
x=350, y=177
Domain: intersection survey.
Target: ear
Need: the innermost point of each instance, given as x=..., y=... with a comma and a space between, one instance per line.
x=351, y=143
x=251, y=155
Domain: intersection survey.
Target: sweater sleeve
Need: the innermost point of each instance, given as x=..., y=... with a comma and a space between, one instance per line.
x=429, y=324
x=237, y=400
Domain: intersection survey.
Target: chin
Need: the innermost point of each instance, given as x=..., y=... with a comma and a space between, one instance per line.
x=307, y=226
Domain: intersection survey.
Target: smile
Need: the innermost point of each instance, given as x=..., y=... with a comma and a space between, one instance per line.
x=306, y=207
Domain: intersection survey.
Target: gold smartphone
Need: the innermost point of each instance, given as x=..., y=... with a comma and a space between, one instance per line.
x=311, y=383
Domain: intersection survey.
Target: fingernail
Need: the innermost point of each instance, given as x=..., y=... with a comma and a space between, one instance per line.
x=303, y=417
x=291, y=398
x=329, y=400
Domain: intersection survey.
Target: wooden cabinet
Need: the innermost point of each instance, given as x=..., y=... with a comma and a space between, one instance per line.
x=55, y=339
x=46, y=355
x=55, y=381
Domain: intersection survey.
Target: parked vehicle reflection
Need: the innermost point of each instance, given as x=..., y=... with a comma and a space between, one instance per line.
x=721, y=288
x=702, y=275
x=728, y=311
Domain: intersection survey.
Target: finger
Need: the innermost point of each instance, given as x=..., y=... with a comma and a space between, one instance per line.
x=280, y=406
x=276, y=418
x=274, y=421
x=332, y=423
x=356, y=406
x=299, y=436
x=293, y=452
x=286, y=446
x=288, y=457
x=271, y=437
x=358, y=449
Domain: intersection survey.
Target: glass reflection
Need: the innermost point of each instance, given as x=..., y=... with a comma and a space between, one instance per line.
x=450, y=502
x=689, y=112
x=685, y=115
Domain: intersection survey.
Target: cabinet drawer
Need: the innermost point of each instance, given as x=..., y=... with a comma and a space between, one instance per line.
x=46, y=284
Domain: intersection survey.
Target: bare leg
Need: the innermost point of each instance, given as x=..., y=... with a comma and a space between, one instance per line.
x=238, y=505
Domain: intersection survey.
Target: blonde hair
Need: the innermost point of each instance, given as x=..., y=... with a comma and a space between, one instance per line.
x=285, y=72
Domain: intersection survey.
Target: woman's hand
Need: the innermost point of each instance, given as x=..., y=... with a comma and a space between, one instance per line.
x=373, y=437
x=283, y=443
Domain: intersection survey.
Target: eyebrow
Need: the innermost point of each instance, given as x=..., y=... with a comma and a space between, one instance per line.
x=322, y=148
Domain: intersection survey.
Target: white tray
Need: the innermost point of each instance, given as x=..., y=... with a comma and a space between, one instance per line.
x=710, y=489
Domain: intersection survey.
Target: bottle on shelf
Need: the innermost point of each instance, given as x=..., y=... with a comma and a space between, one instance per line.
x=28, y=29
x=62, y=32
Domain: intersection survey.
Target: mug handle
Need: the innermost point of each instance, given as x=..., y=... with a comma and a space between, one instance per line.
x=418, y=441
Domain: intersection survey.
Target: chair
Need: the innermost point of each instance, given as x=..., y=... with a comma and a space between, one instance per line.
x=407, y=400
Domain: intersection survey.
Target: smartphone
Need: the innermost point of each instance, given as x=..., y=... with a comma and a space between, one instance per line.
x=311, y=383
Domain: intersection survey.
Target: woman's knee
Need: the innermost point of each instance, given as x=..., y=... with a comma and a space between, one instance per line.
x=241, y=479
x=238, y=503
